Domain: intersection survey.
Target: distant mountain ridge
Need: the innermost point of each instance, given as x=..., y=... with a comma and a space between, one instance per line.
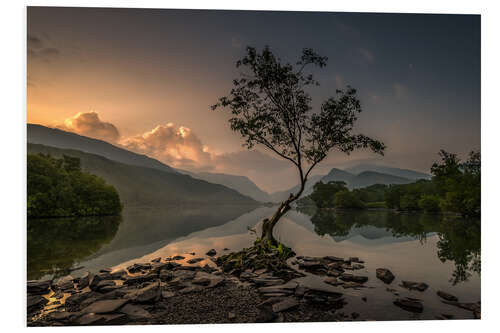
x=364, y=179
x=404, y=173
x=66, y=140
x=143, y=186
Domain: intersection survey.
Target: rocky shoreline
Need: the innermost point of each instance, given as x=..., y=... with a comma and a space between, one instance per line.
x=176, y=290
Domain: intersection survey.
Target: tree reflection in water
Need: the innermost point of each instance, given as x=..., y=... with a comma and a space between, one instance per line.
x=56, y=245
x=459, y=238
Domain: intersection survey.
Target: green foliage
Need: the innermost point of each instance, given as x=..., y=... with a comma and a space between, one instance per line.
x=429, y=203
x=59, y=188
x=376, y=204
x=347, y=200
x=324, y=194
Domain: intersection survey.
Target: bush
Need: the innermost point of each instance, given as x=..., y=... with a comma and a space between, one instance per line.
x=429, y=203
x=347, y=200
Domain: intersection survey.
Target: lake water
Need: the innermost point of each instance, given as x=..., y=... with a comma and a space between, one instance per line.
x=443, y=251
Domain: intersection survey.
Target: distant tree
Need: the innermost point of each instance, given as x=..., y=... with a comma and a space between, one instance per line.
x=324, y=194
x=271, y=107
x=429, y=203
x=347, y=200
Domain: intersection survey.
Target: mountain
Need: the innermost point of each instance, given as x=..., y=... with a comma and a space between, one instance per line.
x=363, y=179
x=239, y=183
x=280, y=196
x=143, y=186
x=66, y=140
x=404, y=173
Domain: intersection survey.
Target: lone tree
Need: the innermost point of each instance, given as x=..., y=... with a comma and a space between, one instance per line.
x=271, y=107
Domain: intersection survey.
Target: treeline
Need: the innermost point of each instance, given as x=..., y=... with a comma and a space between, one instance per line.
x=455, y=187
x=59, y=188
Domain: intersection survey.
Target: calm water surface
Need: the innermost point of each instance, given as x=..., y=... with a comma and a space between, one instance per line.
x=444, y=252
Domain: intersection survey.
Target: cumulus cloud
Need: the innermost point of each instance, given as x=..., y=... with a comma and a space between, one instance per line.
x=175, y=146
x=89, y=124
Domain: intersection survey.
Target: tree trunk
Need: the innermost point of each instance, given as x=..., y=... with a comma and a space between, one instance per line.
x=268, y=224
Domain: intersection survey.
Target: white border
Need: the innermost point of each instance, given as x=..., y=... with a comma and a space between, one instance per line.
x=13, y=21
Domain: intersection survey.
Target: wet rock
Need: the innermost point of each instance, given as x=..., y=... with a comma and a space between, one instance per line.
x=355, y=259
x=58, y=294
x=156, y=259
x=105, y=270
x=104, y=283
x=467, y=306
x=385, y=275
x=211, y=252
x=285, y=305
x=333, y=281
x=63, y=315
x=312, y=265
x=267, y=281
x=166, y=275
x=132, y=280
x=447, y=316
x=351, y=284
x=64, y=283
x=37, y=287
x=178, y=257
x=332, y=258
x=225, y=249
x=105, y=306
x=209, y=269
x=409, y=305
x=323, y=295
x=35, y=302
x=77, y=299
x=420, y=286
x=446, y=296
x=135, y=312
x=84, y=281
x=357, y=266
x=260, y=271
x=194, y=260
x=353, y=278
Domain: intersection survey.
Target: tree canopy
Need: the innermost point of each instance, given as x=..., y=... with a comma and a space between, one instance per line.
x=271, y=106
x=59, y=188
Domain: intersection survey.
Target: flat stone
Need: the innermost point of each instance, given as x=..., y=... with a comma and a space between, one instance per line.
x=195, y=260
x=104, y=283
x=385, y=275
x=91, y=319
x=420, y=286
x=105, y=306
x=178, y=257
x=76, y=299
x=139, y=279
x=135, y=312
x=64, y=283
x=409, y=305
x=202, y=281
x=333, y=281
x=36, y=301
x=38, y=287
x=84, y=281
x=333, y=258
x=167, y=294
x=267, y=281
x=138, y=267
x=353, y=278
x=105, y=270
x=284, y=305
x=147, y=294
x=156, y=259
x=350, y=284
x=446, y=296
x=63, y=315
x=120, y=274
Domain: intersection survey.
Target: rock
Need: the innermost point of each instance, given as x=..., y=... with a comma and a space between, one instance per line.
x=215, y=281
x=357, y=266
x=156, y=259
x=105, y=306
x=77, y=299
x=63, y=315
x=332, y=258
x=323, y=295
x=364, y=299
x=209, y=269
x=420, y=286
x=58, y=294
x=350, y=284
x=84, y=281
x=284, y=305
x=409, y=305
x=333, y=281
x=64, y=283
x=138, y=267
x=355, y=259
x=260, y=271
x=105, y=270
x=104, y=283
x=97, y=279
x=385, y=275
x=190, y=289
x=35, y=302
x=287, y=288
x=353, y=278
x=202, y=281
x=139, y=279
x=135, y=312
x=446, y=296
x=225, y=249
x=166, y=275
x=211, y=253
x=354, y=315
x=333, y=272
x=231, y=315
x=267, y=281
x=247, y=275
x=36, y=287
x=178, y=257
x=447, y=316
x=300, y=290
x=91, y=319
x=121, y=274
x=266, y=314
x=151, y=293
x=194, y=260
x=311, y=265
x=467, y=306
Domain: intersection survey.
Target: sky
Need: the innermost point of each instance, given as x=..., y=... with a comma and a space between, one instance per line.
x=145, y=79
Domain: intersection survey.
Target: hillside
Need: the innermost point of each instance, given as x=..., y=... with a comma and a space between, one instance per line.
x=66, y=140
x=280, y=196
x=139, y=186
x=404, y=173
x=363, y=179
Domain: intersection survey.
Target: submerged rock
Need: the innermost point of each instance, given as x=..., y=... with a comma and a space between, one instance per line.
x=420, y=286
x=385, y=275
x=353, y=278
x=409, y=305
x=211, y=252
x=446, y=296
x=195, y=260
